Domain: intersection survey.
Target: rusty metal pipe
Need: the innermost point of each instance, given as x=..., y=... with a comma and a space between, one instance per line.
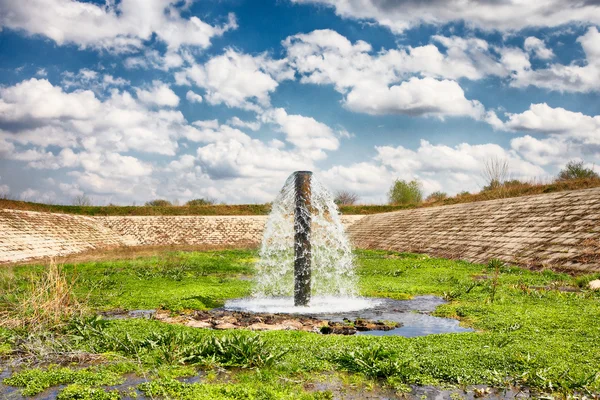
x=302, y=249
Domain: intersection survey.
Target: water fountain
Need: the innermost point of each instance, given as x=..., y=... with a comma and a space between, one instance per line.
x=306, y=262
x=306, y=267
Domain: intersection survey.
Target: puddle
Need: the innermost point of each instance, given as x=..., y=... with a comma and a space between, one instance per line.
x=412, y=314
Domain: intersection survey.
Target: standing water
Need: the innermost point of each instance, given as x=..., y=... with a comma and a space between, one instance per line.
x=330, y=278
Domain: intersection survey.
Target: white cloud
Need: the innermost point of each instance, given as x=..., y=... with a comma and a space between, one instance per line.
x=538, y=48
x=193, y=97
x=566, y=78
x=34, y=112
x=235, y=121
x=91, y=80
x=426, y=96
x=37, y=196
x=249, y=158
x=38, y=99
x=310, y=136
x=159, y=94
x=541, y=118
x=400, y=15
x=116, y=26
x=384, y=83
x=437, y=167
x=236, y=79
x=153, y=59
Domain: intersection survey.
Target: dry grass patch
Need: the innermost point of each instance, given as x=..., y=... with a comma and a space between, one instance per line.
x=45, y=300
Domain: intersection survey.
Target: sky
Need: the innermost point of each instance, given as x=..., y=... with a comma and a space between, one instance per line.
x=126, y=101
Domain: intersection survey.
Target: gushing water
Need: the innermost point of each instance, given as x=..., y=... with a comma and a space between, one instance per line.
x=333, y=278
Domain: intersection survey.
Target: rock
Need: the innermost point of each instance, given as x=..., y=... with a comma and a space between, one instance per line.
x=228, y=319
x=199, y=324
x=259, y=326
x=594, y=285
x=291, y=324
x=225, y=326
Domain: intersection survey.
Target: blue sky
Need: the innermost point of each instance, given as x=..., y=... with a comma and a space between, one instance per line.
x=131, y=100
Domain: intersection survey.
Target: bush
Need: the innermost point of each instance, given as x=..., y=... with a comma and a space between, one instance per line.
x=403, y=192
x=200, y=202
x=436, y=196
x=159, y=203
x=495, y=172
x=345, y=198
x=576, y=170
x=82, y=200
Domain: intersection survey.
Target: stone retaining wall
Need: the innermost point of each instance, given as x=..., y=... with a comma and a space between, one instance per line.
x=557, y=230
x=26, y=235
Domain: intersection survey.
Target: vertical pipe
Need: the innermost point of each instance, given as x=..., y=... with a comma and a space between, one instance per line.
x=302, y=248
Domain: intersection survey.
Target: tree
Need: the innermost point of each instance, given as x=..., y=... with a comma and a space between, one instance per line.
x=159, y=203
x=345, y=198
x=82, y=200
x=436, y=196
x=403, y=192
x=576, y=170
x=200, y=202
x=495, y=172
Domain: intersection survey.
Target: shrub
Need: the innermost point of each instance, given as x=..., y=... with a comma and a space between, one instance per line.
x=200, y=202
x=495, y=172
x=159, y=203
x=82, y=200
x=576, y=170
x=436, y=196
x=403, y=192
x=345, y=198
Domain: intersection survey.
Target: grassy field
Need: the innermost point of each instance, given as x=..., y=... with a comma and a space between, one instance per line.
x=512, y=189
x=528, y=333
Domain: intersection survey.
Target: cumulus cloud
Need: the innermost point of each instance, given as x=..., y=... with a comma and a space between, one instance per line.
x=159, y=94
x=426, y=96
x=91, y=80
x=310, y=136
x=193, y=97
x=385, y=83
x=505, y=15
x=35, y=112
x=437, y=167
x=564, y=134
x=538, y=48
x=116, y=26
x=541, y=118
x=565, y=78
x=236, y=79
x=252, y=125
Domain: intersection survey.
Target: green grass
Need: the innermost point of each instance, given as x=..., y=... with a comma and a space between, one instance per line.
x=527, y=333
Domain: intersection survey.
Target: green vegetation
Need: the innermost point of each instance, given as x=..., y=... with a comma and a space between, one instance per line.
x=576, y=170
x=436, y=197
x=200, y=202
x=528, y=332
x=405, y=193
x=158, y=203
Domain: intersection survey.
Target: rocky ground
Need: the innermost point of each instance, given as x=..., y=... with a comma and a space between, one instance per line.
x=220, y=319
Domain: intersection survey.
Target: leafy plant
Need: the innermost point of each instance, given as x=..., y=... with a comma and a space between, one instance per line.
x=576, y=170
x=200, y=202
x=436, y=196
x=403, y=192
x=159, y=203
